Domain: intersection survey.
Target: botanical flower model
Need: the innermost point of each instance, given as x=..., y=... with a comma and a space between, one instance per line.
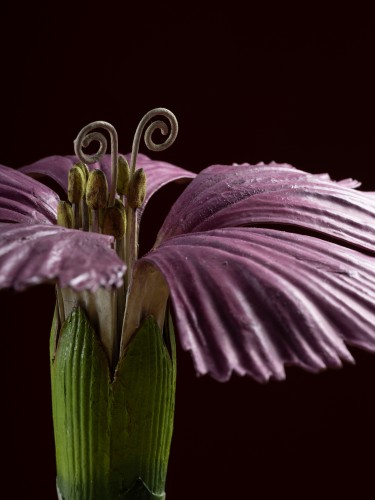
x=255, y=266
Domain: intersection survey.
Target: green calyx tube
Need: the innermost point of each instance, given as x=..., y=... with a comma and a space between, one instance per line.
x=112, y=436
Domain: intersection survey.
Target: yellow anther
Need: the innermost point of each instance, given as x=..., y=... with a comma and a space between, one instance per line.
x=123, y=176
x=76, y=184
x=64, y=214
x=97, y=190
x=114, y=220
x=137, y=189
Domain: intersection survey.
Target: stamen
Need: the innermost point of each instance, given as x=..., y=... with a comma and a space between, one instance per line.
x=86, y=136
x=137, y=189
x=96, y=196
x=123, y=177
x=76, y=184
x=97, y=190
x=84, y=209
x=65, y=214
x=76, y=190
x=114, y=220
x=84, y=168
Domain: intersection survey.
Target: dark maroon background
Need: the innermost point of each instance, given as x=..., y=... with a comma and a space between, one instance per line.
x=292, y=85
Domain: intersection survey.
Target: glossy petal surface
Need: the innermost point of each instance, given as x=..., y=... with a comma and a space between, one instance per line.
x=54, y=167
x=32, y=254
x=23, y=199
x=257, y=261
x=250, y=300
x=159, y=174
x=263, y=195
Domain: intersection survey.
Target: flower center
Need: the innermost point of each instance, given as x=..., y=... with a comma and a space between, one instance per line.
x=109, y=205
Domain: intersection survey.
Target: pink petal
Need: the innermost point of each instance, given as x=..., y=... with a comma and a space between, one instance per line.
x=263, y=195
x=53, y=167
x=159, y=173
x=25, y=200
x=33, y=254
x=251, y=301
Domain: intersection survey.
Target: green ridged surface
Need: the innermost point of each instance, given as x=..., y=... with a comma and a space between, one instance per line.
x=110, y=434
x=80, y=383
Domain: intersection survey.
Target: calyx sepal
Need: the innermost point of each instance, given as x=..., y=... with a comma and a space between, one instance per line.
x=109, y=432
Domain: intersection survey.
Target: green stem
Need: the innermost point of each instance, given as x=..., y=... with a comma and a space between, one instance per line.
x=109, y=432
